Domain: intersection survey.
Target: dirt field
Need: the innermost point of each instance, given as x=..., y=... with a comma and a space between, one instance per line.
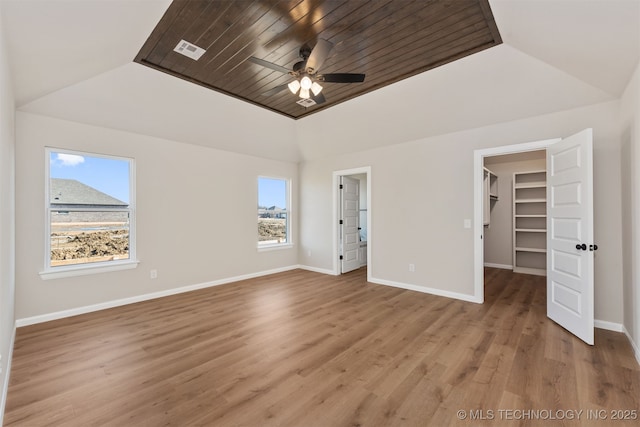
x=81, y=247
x=272, y=229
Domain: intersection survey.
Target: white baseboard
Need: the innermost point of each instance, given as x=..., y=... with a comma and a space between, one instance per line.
x=317, y=270
x=5, y=386
x=634, y=346
x=426, y=290
x=609, y=326
x=618, y=327
x=145, y=297
x=502, y=266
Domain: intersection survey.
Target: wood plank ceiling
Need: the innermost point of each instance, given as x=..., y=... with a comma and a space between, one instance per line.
x=388, y=40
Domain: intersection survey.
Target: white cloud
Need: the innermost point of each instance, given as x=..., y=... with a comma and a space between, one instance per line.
x=69, y=159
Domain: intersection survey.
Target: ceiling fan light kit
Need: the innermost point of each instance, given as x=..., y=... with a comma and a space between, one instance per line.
x=316, y=88
x=294, y=86
x=305, y=83
x=304, y=86
x=306, y=70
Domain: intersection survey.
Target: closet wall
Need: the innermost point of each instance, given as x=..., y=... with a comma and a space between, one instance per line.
x=498, y=235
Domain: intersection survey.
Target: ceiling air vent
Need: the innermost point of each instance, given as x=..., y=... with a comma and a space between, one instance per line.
x=189, y=50
x=308, y=102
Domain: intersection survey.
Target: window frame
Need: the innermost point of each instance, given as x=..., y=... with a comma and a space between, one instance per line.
x=54, y=272
x=289, y=234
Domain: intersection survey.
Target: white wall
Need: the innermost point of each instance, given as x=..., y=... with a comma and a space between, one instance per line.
x=196, y=215
x=7, y=216
x=423, y=190
x=498, y=235
x=630, y=171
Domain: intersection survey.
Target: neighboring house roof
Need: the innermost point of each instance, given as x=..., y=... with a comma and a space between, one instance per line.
x=73, y=192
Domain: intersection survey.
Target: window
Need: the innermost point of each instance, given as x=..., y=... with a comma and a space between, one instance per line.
x=89, y=212
x=273, y=212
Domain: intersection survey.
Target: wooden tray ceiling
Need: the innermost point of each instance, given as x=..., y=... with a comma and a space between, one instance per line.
x=388, y=40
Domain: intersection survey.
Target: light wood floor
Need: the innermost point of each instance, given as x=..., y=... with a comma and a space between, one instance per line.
x=305, y=349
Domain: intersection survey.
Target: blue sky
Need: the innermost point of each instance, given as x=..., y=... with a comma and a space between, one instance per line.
x=272, y=192
x=111, y=176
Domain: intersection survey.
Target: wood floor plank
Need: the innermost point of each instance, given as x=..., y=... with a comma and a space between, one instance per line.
x=302, y=348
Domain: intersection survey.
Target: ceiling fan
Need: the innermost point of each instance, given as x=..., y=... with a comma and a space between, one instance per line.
x=308, y=86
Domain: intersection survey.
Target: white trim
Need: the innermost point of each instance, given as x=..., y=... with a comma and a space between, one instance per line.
x=85, y=269
x=336, y=216
x=145, y=297
x=50, y=272
x=502, y=266
x=634, y=346
x=5, y=386
x=609, y=326
x=274, y=247
x=426, y=290
x=478, y=223
x=317, y=270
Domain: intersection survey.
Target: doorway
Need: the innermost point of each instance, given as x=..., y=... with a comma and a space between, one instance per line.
x=478, y=228
x=514, y=234
x=352, y=220
x=569, y=227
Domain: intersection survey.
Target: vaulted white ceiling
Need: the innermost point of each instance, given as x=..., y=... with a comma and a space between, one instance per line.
x=557, y=55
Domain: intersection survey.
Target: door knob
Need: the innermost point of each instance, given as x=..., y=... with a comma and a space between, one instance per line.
x=593, y=247
x=582, y=247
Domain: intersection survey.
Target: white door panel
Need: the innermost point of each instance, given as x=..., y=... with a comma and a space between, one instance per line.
x=566, y=229
x=570, y=234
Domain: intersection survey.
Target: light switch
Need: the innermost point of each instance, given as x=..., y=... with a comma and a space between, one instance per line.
x=467, y=223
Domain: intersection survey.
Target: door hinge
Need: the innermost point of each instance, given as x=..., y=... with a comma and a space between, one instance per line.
x=341, y=257
x=341, y=222
x=341, y=186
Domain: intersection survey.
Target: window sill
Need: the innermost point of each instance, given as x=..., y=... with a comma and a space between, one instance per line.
x=275, y=247
x=83, y=270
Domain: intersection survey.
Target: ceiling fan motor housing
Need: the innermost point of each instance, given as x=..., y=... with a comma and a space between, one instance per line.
x=299, y=67
x=305, y=51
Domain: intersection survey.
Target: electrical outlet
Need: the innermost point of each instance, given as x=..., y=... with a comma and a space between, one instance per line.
x=153, y=274
x=412, y=267
x=309, y=253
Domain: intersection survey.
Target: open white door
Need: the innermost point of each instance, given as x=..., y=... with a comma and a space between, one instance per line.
x=350, y=214
x=570, y=243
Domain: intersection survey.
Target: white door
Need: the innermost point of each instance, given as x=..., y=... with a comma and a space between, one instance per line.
x=350, y=215
x=570, y=245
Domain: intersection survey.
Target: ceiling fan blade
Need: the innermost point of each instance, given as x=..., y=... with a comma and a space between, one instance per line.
x=319, y=98
x=318, y=55
x=341, y=78
x=268, y=64
x=275, y=90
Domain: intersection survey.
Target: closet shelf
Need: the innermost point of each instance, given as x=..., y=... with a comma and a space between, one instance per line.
x=529, y=222
x=540, y=184
x=531, y=200
x=537, y=250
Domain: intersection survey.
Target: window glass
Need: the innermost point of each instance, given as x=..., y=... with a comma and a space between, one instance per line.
x=89, y=209
x=273, y=211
